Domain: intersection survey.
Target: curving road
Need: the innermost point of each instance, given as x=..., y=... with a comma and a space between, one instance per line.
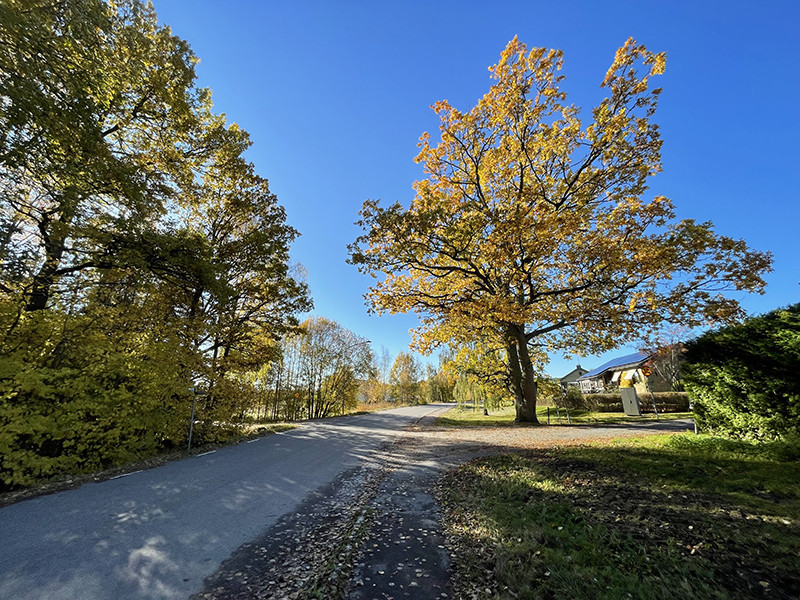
x=157, y=534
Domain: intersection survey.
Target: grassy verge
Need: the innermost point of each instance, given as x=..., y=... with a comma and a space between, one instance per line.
x=467, y=416
x=661, y=517
x=370, y=407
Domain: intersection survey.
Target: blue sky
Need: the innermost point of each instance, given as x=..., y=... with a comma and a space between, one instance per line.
x=335, y=95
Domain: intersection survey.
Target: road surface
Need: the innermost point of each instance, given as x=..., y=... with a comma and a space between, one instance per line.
x=157, y=534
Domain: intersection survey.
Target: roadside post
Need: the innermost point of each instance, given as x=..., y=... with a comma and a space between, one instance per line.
x=195, y=394
x=694, y=420
x=192, y=389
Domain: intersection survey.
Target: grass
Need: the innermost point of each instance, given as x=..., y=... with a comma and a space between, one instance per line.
x=661, y=517
x=468, y=416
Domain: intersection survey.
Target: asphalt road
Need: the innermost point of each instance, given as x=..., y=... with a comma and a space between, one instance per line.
x=157, y=534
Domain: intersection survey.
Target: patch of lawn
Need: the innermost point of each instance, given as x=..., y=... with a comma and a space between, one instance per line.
x=661, y=517
x=579, y=417
x=468, y=416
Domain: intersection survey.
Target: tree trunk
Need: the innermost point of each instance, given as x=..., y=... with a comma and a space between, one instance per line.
x=523, y=377
x=43, y=280
x=515, y=377
x=54, y=229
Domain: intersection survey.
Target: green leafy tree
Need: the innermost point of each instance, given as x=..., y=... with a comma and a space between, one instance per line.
x=101, y=125
x=436, y=387
x=141, y=254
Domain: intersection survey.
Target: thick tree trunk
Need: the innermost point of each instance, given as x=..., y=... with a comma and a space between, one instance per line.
x=45, y=277
x=54, y=229
x=523, y=377
x=515, y=375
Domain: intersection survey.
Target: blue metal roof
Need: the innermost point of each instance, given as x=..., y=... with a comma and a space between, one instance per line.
x=622, y=361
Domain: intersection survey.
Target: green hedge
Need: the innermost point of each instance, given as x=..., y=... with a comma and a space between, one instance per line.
x=744, y=380
x=665, y=402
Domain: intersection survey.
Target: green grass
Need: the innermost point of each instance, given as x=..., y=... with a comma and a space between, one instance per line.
x=661, y=517
x=467, y=416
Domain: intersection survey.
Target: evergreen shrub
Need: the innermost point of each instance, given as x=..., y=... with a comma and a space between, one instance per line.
x=744, y=380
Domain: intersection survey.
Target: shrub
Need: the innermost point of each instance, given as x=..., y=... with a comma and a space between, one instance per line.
x=612, y=402
x=573, y=399
x=89, y=402
x=744, y=380
x=605, y=402
x=665, y=402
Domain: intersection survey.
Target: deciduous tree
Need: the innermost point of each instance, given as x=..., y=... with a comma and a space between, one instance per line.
x=101, y=126
x=404, y=378
x=140, y=251
x=533, y=223
x=333, y=358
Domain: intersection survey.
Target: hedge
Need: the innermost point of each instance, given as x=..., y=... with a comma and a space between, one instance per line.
x=612, y=402
x=744, y=379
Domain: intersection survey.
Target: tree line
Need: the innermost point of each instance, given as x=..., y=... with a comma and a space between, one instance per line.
x=142, y=255
x=324, y=369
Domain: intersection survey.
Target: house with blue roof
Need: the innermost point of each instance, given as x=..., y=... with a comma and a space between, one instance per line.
x=613, y=372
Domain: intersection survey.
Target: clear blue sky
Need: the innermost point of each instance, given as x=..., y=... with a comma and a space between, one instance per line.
x=335, y=95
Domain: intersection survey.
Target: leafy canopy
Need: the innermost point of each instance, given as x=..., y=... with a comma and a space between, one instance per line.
x=534, y=216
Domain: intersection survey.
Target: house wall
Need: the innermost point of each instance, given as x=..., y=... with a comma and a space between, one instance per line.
x=572, y=377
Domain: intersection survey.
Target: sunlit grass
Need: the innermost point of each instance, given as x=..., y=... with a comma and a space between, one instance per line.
x=757, y=476
x=266, y=428
x=470, y=416
x=662, y=517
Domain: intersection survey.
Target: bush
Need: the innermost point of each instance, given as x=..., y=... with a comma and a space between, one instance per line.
x=612, y=402
x=605, y=402
x=744, y=380
x=666, y=402
x=86, y=403
x=573, y=399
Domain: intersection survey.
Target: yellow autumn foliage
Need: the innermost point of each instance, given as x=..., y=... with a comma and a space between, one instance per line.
x=533, y=224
